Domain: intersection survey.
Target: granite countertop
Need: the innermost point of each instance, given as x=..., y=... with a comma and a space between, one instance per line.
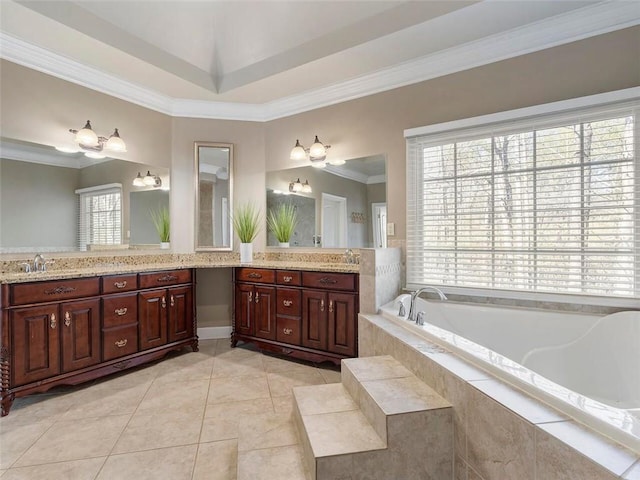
x=121, y=268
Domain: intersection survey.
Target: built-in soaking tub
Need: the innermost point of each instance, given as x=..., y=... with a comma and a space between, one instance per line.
x=587, y=366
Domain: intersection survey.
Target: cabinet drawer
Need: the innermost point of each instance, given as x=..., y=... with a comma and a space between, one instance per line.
x=330, y=281
x=289, y=302
x=24, y=293
x=117, y=342
x=161, y=279
x=288, y=277
x=288, y=330
x=119, y=283
x=119, y=310
x=257, y=275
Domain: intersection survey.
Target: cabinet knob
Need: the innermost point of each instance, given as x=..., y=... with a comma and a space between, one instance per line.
x=250, y=297
x=330, y=306
x=257, y=297
x=121, y=343
x=67, y=319
x=322, y=305
x=52, y=321
x=287, y=303
x=173, y=301
x=164, y=302
x=121, y=311
x=120, y=284
x=287, y=279
x=287, y=331
x=254, y=275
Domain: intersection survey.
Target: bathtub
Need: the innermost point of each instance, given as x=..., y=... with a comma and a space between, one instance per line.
x=586, y=366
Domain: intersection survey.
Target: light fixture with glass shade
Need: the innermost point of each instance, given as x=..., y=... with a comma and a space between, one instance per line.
x=316, y=154
x=138, y=181
x=299, y=187
x=149, y=180
x=93, y=144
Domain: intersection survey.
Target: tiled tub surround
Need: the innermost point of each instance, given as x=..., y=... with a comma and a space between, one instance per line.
x=499, y=431
x=380, y=277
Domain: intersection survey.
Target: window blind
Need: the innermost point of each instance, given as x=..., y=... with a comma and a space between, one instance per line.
x=546, y=204
x=100, y=212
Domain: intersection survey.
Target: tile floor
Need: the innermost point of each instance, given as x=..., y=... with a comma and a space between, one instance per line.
x=218, y=414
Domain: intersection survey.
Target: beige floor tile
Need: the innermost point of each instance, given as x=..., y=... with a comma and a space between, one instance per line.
x=73, y=440
x=18, y=439
x=75, y=470
x=376, y=368
x=283, y=404
x=281, y=383
x=208, y=347
x=216, y=461
x=272, y=463
x=166, y=463
x=147, y=431
x=330, y=375
x=243, y=366
x=236, y=389
x=192, y=366
x=222, y=419
x=175, y=397
x=328, y=398
x=99, y=401
x=46, y=408
x=275, y=364
x=265, y=431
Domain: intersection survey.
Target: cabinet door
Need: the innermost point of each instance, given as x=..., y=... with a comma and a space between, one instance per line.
x=342, y=323
x=35, y=342
x=314, y=319
x=80, y=330
x=180, y=313
x=243, y=323
x=152, y=318
x=264, y=310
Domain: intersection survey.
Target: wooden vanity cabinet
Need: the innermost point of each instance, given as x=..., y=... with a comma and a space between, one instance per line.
x=70, y=331
x=308, y=315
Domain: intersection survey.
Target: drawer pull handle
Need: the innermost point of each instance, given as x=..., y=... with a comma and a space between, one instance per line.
x=120, y=284
x=330, y=306
x=121, y=343
x=257, y=297
x=287, y=279
x=59, y=290
x=287, y=303
x=254, y=275
x=121, y=311
x=67, y=319
x=164, y=302
x=167, y=278
x=287, y=331
x=322, y=305
x=173, y=301
x=327, y=281
x=250, y=297
x=53, y=321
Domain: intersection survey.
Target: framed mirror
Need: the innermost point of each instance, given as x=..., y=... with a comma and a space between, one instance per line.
x=214, y=196
x=65, y=202
x=339, y=206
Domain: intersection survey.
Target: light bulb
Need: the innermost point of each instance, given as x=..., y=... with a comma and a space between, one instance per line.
x=86, y=136
x=115, y=143
x=298, y=152
x=317, y=150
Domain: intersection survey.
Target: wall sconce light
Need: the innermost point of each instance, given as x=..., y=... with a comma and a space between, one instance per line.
x=148, y=180
x=93, y=145
x=317, y=153
x=299, y=187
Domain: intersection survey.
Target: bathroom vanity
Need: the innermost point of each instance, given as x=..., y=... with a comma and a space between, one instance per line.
x=78, y=329
x=303, y=314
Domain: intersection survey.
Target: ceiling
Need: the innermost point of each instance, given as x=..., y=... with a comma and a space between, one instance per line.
x=258, y=60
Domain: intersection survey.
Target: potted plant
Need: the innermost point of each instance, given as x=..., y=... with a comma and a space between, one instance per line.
x=161, y=221
x=246, y=223
x=282, y=222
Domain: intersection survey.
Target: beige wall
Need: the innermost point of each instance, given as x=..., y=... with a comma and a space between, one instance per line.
x=39, y=108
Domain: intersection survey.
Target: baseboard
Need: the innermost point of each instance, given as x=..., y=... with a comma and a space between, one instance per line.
x=210, y=333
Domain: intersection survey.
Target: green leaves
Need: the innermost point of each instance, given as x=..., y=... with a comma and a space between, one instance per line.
x=161, y=221
x=282, y=221
x=246, y=222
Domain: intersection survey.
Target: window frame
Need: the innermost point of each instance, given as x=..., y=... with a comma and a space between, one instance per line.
x=502, y=123
x=95, y=191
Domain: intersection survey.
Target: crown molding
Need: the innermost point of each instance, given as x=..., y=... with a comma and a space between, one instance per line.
x=572, y=26
x=348, y=174
x=45, y=155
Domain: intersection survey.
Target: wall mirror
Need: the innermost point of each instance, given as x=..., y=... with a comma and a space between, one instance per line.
x=214, y=194
x=59, y=202
x=339, y=206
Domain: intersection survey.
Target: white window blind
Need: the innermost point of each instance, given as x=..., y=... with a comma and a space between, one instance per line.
x=100, y=221
x=541, y=205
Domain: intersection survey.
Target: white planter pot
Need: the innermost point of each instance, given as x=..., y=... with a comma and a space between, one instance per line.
x=165, y=245
x=283, y=244
x=246, y=252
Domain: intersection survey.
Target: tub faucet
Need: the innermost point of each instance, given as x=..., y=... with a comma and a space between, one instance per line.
x=416, y=294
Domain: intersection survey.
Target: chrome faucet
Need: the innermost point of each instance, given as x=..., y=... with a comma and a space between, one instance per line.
x=416, y=294
x=39, y=263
